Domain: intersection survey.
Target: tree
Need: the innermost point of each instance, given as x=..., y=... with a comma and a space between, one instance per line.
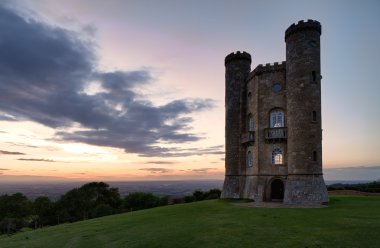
x=140, y=200
x=199, y=195
x=213, y=194
x=80, y=203
x=14, y=211
x=44, y=209
x=72, y=206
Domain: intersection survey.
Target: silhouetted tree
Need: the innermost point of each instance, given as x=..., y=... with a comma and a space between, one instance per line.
x=14, y=212
x=213, y=194
x=80, y=203
x=44, y=210
x=199, y=195
x=140, y=200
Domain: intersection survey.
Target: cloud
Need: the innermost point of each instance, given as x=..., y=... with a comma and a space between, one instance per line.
x=3, y=169
x=159, y=162
x=37, y=160
x=203, y=170
x=45, y=73
x=181, y=152
x=156, y=170
x=21, y=144
x=11, y=153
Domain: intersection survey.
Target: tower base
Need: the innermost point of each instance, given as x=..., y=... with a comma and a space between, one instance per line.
x=305, y=190
x=231, y=187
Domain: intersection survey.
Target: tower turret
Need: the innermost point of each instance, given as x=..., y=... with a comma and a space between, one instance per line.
x=238, y=67
x=305, y=182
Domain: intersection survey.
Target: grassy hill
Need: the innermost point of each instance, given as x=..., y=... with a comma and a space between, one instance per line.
x=349, y=221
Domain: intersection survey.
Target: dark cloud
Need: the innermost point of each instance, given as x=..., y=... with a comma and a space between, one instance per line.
x=21, y=144
x=3, y=169
x=5, y=117
x=159, y=162
x=180, y=152
x=156, y=170
x=11, y=153
x=37, y=160
x=203, y=170
x=44, y=73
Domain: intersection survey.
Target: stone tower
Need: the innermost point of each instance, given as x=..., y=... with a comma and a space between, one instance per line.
x=273, y=123
x=238, y=67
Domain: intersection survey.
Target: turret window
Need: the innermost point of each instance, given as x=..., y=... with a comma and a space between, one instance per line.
x=315, y=156
x=277, y=156
x=251, y=126
x=249, y=159
x=314, y=116
x=277, y=118
x=313, y=77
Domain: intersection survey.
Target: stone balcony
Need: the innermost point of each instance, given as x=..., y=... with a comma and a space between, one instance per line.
x=276, y=134
x=247, y=137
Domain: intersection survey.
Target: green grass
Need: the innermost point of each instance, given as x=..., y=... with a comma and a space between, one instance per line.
x=349, y=221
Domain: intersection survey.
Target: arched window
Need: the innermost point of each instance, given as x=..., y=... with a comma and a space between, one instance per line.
x=277, y=157
x=277, y=118
x=251, y=126
x=249, y=159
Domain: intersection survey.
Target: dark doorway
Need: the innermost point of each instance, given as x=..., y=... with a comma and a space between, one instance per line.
x=277, y=190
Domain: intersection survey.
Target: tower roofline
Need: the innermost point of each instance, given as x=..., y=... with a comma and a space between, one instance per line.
x=302, y=25
x=276, y=66
x=237, y=56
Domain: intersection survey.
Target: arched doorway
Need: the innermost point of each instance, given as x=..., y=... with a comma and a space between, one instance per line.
x=277, y=190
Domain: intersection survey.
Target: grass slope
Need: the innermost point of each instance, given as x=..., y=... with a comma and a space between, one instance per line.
x=349, y=221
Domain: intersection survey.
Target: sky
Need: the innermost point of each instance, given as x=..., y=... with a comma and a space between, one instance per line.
x=134, y=90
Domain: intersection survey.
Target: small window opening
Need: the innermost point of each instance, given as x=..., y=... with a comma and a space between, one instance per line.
x=249, y=94
x=314, y=116
x=251, y=126
x=314, y=76
x=314, y=155
x=249, y=159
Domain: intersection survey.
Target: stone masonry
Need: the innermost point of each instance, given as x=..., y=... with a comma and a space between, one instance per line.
x=273, y=123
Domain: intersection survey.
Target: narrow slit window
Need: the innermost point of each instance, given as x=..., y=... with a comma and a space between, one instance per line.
x=249, y=159
x=314, y=76
x=251, y=126
x=315, y=156
x=314, y=116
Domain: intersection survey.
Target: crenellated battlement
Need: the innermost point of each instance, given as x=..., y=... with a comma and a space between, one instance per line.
x=237, y=56
x=302, y=25
x=260, y=69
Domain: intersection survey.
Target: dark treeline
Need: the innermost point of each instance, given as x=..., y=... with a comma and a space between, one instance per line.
x=91, y=200
x=373, y=187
